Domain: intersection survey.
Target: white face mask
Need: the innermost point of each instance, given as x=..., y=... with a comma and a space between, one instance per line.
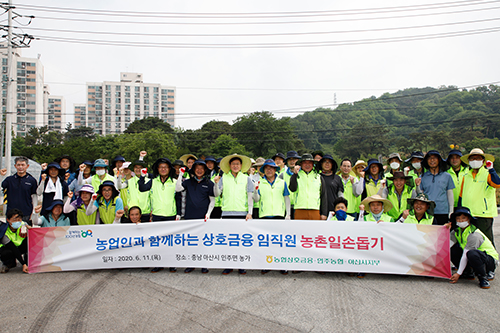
x=100, y=172
x=416, y=165
x=476, y=164
x=462, y=224
x=394, y=165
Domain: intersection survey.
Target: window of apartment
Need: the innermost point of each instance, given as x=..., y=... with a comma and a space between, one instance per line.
x=118, y=106
x=146, y=107
x=118, y=100
x=127, y=88
x=108, y=87
x=146, y=89
x=137, y=95
x=137, y=107
x=146, y=101
x=146, y=95
x=137, y=89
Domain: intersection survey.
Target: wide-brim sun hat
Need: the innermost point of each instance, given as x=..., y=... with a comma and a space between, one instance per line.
x=184, y=158
x=281, y=155
x=56, y=165
x=72, y=162
x=477, y=151
x=85, y=188
x=377, y=198
x=462, y=210
x=417, y=154
x=198, y=162
x=160, y=161
x=360, y=162
x=422, y=197
x=292, y=154
x=99, y=163
x=394, y=155
x=372, y=161
x=399, y=174
x=270, y=163
x=335, y=166
x=259, y=162
x=137, y=162
x=245, y=163
x=306, y=157
x=108, y=183
x=53, y=204
x=442, y=163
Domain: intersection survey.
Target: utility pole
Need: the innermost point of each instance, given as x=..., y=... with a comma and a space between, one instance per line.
x=10, y=94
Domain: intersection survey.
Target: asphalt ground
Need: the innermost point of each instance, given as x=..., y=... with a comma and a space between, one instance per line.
x=137, y=300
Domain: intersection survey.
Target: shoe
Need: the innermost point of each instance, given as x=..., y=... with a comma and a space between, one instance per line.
x=4, y=269
x=351, y=274
x=204, y=270
x=172, y=269
x=483, y=282
x=188, y=270
x=361, y=275
x=242, y=271
x=490, y=276
x=284, y=272
x=264, y=271
x=227, y=271
x=156, y=269
x=467, y=276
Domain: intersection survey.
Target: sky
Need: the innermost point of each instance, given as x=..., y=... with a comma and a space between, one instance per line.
x=309, y=54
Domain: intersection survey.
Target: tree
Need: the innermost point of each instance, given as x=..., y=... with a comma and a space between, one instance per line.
x=226, y=145
x=145, y=124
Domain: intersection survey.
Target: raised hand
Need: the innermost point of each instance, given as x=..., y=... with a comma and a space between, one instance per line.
x=82, y=167
x=3, y=172
x=119, y=213
x=70, y=194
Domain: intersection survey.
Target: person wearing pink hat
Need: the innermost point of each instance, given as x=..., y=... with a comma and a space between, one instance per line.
x=80, y=205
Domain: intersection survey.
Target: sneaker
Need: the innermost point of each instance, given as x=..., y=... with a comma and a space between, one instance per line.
x=172, y=269
x=361, y=275
x=227, y=271
x=490, y=276
x=284, y=272
x=483, y=282
x=204, y=270
x=242, y=271
x=264, y=271
x=188, y=270
x=4, y=269
x=156, y=269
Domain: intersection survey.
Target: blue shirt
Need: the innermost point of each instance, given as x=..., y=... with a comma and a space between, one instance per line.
x=197, y=197
x=19, y=190
x=435, y=187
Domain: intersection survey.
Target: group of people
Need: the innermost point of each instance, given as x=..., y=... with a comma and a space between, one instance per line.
x=459, y=192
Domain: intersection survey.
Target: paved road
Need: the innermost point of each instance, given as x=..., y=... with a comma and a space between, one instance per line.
x=137, y=300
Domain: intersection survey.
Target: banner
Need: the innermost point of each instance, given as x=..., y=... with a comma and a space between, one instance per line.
x=358, y=247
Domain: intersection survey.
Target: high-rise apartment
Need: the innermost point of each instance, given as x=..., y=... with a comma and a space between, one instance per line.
x=112, y=106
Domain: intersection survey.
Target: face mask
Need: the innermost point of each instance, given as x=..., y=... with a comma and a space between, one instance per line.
x=100, y=172
x=462, y=224
x=476, y=164
x=416, y=165
x=341, y=215
x=377, y=216
x=394, y=165
x=16, y=225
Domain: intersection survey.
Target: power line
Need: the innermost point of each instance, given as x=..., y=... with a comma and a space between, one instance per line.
x=128, y=22
x=364, y=11
x=265, y=34
x=272, y=45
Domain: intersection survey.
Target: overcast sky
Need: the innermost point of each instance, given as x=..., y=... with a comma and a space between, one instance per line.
x=225, y=82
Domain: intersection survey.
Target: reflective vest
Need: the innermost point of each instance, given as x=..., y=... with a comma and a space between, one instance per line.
x=348, y=218
x=138, y=198
x=218, y=200
x=235, y=197
x=293, y=195
x=427, y=219
x=107, y=213
x=371, y=188
x=163, y=197
x=14, y=237
x=83, y=219
x=397, y=209
x=272, y=201
x=308, y=190
x=457, y=180
x=353, y=201
x=478, y=195
x=463, y=235
x=96, y=181
x=383, y=218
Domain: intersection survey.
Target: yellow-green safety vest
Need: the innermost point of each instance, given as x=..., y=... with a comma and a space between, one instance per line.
x=14, y=236
x=384, y=218
x=83, y=219
x=457, y=180
x=463, y=235
x=353, y=201
x=478, y=195
x=163, y=197
x=397, y=209
x=427, y=219
x=107, y=213
x=272, y=201
x=293, y=195
x=138, y=198
x=96, y=181
x=234, y=190
x=308, y=191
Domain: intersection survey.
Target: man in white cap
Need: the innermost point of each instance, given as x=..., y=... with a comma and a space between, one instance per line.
x=478, y=190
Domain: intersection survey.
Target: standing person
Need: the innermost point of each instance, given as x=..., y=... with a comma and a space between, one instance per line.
x=372, y=181
x=116, y=164
x=255, y=175
x=13, y=241
x=334, y=187
x=200, y=198
x=80, y=205
x=67, y=163
x=87, y=172
x=310, y=190
x=108, y=203
x=100, y=176
x=317, y=155
x=20, y=189
x=394, y=162
x=213, y=168
x=348, y=179
x=279, y=159
x=478, y=190
x=188, y=160
x=237, y=190
x=291, y=158
x=398, y=193
x=52, y=187
x=471, y=251
x=272, y=193
x=134, y=196
x=438, y=186
x=178, y=164
x=358, y=168
x=457, y=171
x=416, y=170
